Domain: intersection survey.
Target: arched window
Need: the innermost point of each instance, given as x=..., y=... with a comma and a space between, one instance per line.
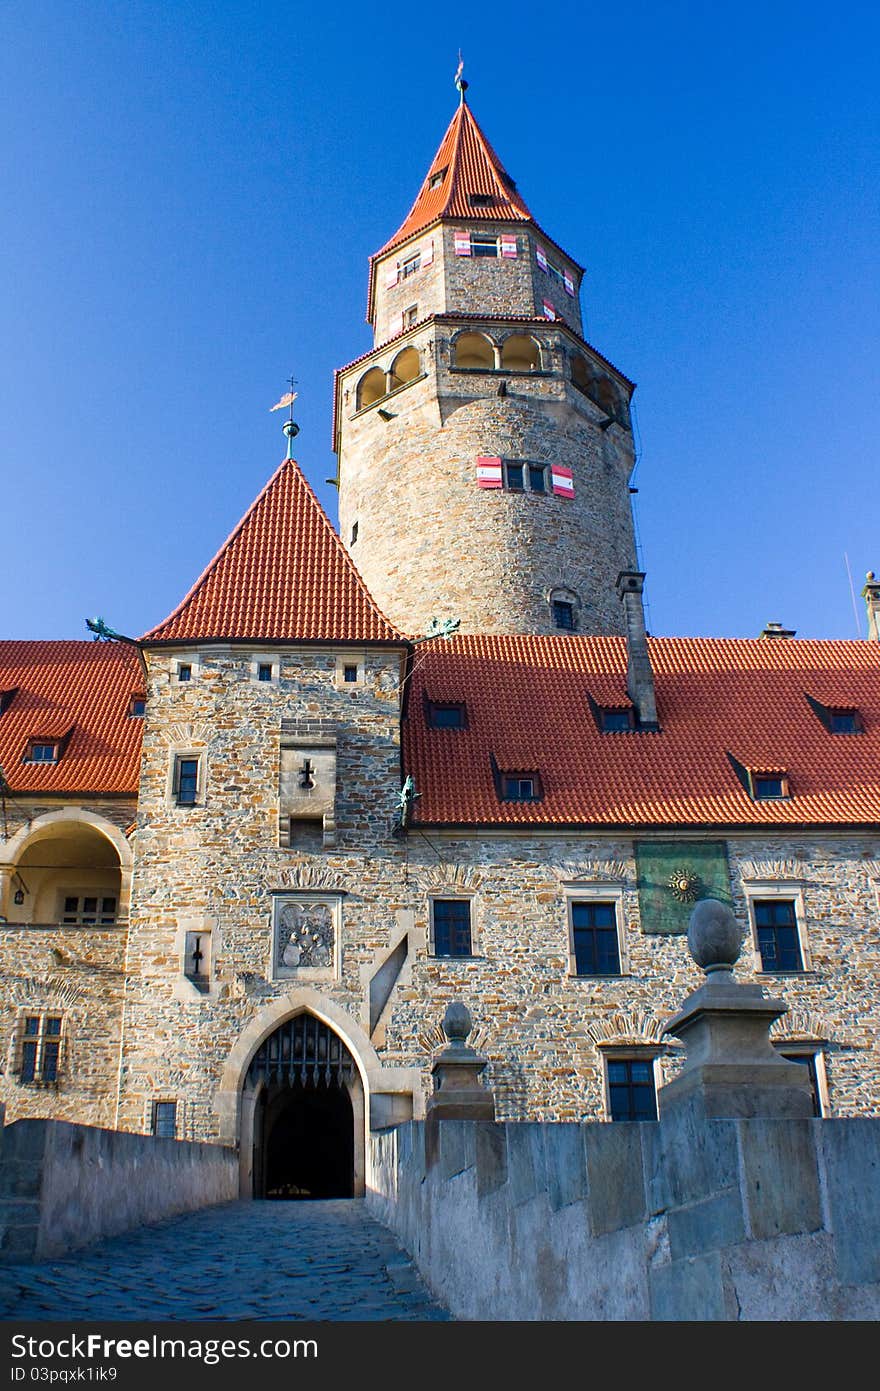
x=474, y=350
x=580, y=374
x=371, y=387
x=405, y=367
x=521, y=354
x=564, y=608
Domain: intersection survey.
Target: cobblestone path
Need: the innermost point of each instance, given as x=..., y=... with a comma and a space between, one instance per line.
x=243, y=1260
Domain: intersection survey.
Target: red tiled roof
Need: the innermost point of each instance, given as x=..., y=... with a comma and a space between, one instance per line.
x=81, y=687
x=282, y=576
x=471, y=166
x=527, y=704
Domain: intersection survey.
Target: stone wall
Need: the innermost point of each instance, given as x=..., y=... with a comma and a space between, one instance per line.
x=63, y=1186
x=681, y=1219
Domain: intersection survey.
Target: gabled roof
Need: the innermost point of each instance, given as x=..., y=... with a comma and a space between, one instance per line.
x=282, y=576
x=78, y=693
x=527, y=705
x=471, y=167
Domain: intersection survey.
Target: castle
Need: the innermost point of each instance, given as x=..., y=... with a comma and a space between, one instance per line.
x=249, y=858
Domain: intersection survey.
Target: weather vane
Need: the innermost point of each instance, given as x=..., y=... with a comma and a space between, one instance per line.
x=460, y=82
x=290, y=427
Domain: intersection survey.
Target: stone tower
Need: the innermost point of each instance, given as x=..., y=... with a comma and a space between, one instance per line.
x=484, y=447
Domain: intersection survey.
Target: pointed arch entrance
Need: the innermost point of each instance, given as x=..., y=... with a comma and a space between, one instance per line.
x=307, y=1096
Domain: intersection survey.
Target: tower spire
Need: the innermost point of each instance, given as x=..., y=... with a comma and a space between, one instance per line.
x=460, y=82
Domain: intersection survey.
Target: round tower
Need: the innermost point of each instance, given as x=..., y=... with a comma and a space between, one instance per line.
x=484, y=447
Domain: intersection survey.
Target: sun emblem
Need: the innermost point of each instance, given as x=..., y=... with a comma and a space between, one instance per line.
x=684, y=886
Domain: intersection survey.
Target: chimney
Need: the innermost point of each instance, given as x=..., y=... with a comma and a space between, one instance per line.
x=871, y=596
x=639, y=676
x=776, y=630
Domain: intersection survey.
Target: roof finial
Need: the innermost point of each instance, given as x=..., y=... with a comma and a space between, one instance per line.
x=291, y=429
x=460, y=82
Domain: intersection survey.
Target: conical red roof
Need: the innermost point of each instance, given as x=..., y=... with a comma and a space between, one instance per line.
x=469, y=166
x=282, y=576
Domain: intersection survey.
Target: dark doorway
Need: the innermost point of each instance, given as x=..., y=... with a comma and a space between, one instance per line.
x=309, y=1143
x=304, y=1143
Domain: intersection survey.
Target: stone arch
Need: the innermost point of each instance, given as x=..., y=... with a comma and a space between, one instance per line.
x=405, y=367
x=105, y=869
x=521, y=353
x=42, y=828
x=475, y=350
x=370, y=388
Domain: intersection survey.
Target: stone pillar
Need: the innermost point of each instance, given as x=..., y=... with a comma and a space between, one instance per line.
x=458, y=1092
x=871, y=596
x=639, y=674
x=732, y=1068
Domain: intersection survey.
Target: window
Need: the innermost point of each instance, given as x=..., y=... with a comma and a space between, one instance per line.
x=631, y=1092
x=474, y=350
x=186, y=781
x=40, y=752
x=87, y=911
x=354, y=533
x=845, y=722
x=813, y=1061
x=371, y=388
x=521, y=477
x=410, y=265
x=769, y=786
x=164, y=1120
x=446, y=714
x=410, y=315
x=197, y=958
x=563, y=614
x=6, y=698
x=518, y=788
x=184, y=671
x=484, y=244
x=137, y=707
x=481, y=200
x=264, y=671
x=350, y=672
x=595, y=940
x=451, y=921
x=776, y=929
x=615, y=721
x=40, y=1050
x=436, y=179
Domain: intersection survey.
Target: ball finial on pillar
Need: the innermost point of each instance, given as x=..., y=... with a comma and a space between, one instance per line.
x=714, y=937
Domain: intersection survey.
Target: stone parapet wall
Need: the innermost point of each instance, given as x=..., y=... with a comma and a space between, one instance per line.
x=64, y=1186
x=678, y=1220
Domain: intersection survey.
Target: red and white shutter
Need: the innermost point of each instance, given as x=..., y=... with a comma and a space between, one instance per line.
x=395, y=325
x=508, y=245
x=427, y=253
x=542, y=257
x=462, y=243
x=549, y=311
x=562, y=481
x=569, y=283
x=392, y=275
x=488, y=471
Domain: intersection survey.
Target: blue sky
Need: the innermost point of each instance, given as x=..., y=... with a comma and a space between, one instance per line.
x=191, y=192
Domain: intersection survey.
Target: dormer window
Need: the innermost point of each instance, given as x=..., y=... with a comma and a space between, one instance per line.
x=520, y=787
x=437, y=178
x=769, y=787
x=613, y=721
x=137, y=707
x=838, y=719
x=446, y=714
x=481, y=200
x=6, y=699
x=41, y=751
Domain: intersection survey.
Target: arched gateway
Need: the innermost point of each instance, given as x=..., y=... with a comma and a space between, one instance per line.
x=307, y=1096
x=294, y=1096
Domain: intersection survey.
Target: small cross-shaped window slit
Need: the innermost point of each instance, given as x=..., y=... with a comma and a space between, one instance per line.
x=307, y=774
